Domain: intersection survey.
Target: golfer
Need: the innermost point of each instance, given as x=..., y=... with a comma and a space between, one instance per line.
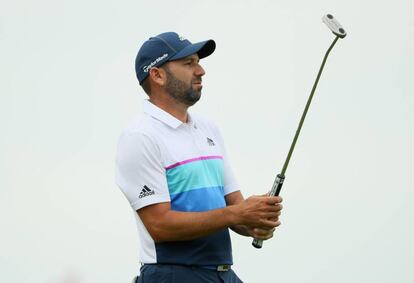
x=173, y=169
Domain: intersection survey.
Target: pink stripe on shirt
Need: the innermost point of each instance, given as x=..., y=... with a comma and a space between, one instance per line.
x=192, y=160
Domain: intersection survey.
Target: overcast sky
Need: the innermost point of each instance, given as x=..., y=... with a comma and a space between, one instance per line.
x=68, y=88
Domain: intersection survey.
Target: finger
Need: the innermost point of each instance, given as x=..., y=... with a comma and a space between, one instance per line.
x=274, y=207
x=278, y=199
x=272, y=216
x=263, y=236
x=267, y=224
x=278, y=206
x=275, y=218
x=273, y=200
x=263, y=232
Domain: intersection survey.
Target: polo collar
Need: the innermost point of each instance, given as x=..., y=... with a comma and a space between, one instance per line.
x=163, y=116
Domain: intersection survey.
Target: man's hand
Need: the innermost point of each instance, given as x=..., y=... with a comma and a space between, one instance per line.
x=260, y=213
x=261, y=234
x=236, y=198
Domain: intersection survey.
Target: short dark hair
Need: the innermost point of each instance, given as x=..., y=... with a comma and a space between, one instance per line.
x=146, y=86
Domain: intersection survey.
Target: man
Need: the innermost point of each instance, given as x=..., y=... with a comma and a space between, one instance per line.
x=173, y=169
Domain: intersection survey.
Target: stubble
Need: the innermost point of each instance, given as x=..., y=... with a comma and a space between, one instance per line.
x=180, y=91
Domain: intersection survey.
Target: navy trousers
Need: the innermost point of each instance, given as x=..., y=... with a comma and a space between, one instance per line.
x=163, y=273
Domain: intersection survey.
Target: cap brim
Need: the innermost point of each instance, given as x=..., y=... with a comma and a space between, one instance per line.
x=203, y=49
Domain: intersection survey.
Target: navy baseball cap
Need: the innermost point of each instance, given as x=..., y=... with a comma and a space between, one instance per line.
x=165, y=47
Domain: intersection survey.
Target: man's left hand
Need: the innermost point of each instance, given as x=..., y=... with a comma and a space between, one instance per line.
x=261, y=234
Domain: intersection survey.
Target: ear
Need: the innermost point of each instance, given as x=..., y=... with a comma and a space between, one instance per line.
x=158, y=76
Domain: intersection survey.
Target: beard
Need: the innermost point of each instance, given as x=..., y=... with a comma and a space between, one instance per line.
x=180, y=91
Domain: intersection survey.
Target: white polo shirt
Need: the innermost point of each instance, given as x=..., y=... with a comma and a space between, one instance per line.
x=161, y=159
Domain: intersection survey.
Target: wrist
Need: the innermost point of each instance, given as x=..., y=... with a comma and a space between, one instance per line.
x=232, y=215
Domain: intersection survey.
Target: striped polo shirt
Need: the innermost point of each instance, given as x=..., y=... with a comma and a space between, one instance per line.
x=161, y=159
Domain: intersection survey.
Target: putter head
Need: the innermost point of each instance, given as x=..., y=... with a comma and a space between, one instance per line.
x=334, y=25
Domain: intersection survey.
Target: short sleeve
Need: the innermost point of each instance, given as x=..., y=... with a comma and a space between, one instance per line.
x=139, y=170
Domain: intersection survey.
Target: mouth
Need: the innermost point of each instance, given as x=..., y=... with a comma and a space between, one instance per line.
x=198, y=83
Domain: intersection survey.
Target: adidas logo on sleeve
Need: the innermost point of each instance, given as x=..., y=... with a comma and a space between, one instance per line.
x=146, y=192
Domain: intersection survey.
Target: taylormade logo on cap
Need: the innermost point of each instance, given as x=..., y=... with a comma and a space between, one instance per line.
x=152, y=64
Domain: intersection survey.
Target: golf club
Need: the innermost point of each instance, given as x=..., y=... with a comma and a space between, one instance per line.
x=339, y=32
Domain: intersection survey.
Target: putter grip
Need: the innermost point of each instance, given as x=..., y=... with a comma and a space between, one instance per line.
x=277, y=186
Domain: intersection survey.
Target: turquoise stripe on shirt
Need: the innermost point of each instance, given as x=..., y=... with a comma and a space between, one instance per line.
x=194, y=175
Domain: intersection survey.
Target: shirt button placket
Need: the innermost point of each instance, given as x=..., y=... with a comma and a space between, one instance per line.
x=195, y=138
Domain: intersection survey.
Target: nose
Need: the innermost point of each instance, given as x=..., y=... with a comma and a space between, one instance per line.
x=199, y=71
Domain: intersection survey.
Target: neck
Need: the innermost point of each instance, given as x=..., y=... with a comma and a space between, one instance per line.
x=178, y=110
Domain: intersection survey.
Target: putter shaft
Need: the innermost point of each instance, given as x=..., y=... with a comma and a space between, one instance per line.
x=302, y=119
x=277, y=185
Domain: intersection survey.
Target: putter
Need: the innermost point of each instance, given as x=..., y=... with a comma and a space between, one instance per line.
x=339, y=32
